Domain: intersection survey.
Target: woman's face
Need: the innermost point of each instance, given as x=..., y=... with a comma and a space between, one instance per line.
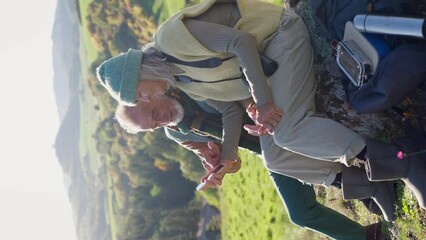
x=147, y=89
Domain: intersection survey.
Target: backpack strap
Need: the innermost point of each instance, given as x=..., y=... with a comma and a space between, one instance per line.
x=206, y=63
x=187, y=79
x=269, y=66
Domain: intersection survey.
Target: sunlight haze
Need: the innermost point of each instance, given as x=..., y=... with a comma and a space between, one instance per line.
x=34, y=203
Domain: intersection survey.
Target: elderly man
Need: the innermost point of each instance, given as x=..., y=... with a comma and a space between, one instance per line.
x=201, y=50
x=199, y=124
x=182, y=113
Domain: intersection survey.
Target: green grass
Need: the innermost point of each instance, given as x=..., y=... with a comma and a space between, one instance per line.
x=114, y=205
x=408, y=225
x=89, y=117
x=277, y=2
x=89, y=48
x=166, y=8
x=251, y=208
x=113, y=223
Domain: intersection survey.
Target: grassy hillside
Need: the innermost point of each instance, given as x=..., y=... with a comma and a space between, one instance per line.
x=164, y=9
x=252, y=209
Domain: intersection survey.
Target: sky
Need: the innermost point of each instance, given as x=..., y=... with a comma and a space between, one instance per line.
x=33, y=200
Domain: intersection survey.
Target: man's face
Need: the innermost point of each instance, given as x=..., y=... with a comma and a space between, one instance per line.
x=148, y=89
x=161, y=111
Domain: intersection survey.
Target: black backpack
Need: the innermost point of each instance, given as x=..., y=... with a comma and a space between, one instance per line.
x=332, y=15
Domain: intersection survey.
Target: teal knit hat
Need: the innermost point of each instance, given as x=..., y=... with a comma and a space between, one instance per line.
x=120, y=76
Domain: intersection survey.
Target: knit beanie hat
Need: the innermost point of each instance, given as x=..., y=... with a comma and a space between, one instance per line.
x=120, y=76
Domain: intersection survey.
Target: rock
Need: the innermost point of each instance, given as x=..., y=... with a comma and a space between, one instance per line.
x=330, y=97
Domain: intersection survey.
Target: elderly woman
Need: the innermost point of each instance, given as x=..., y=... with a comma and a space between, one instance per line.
x=211, y=51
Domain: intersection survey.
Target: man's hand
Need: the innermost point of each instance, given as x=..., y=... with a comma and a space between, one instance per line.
x=252, y=111
x=210, y=156
x=214, y=177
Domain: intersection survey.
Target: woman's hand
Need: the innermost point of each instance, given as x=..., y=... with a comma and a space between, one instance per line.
x=268, y=116
x=255, y=130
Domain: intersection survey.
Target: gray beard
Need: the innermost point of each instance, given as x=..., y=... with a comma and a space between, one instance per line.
x=179, y=115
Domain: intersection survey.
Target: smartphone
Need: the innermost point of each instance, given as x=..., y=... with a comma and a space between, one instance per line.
x=202, y=186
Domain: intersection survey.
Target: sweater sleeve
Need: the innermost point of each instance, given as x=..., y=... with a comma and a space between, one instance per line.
x=223, y=39
x=191, y=141
x=232, y=114
x=180, y=137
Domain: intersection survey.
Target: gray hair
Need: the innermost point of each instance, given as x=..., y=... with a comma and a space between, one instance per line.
x=154, y=65
x=123, y=114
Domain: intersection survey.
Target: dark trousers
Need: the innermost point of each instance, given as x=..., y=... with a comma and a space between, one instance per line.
x=303, y=209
